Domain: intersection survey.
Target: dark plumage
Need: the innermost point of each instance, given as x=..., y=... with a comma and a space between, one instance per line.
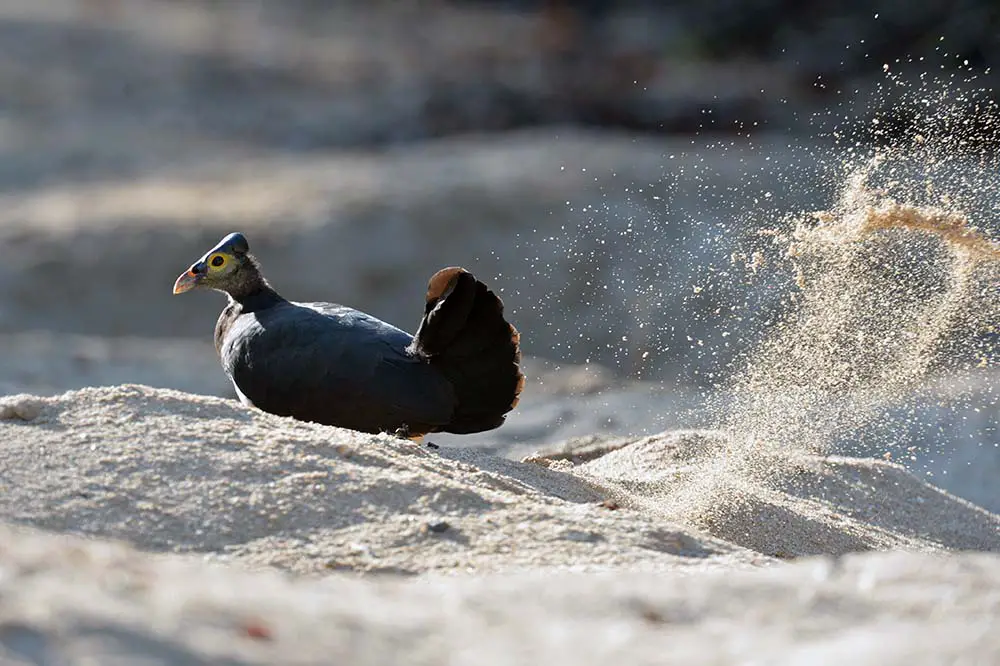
x=332, y=364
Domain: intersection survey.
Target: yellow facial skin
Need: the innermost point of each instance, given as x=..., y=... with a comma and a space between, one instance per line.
x=204, y=271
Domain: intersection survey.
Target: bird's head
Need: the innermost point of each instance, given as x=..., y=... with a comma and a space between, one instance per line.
x=227, y=267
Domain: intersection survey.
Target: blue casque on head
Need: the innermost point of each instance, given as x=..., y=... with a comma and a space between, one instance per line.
x=234, y=243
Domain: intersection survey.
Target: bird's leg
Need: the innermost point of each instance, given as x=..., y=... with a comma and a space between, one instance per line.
x=403, y=432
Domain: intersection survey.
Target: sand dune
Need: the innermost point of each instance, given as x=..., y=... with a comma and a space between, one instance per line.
x=191, y=478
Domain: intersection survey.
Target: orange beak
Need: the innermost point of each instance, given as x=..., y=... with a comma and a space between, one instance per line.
x=187, y=281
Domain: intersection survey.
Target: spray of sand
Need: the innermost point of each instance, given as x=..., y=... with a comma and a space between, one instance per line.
x=884, y=291
x=887, y=295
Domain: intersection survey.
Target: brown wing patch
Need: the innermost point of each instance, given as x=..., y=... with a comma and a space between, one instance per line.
x=515, y=337
x=517, y=391
x=442, y=282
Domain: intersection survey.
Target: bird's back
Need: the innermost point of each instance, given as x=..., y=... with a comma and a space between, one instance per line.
x=332, y=364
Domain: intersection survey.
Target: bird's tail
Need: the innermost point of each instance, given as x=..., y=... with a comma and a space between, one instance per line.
x=464, y=334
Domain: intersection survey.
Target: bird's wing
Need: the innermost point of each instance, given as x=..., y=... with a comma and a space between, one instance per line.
x=334, y=365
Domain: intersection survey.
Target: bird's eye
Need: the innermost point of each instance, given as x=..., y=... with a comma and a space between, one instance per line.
x=218, y=260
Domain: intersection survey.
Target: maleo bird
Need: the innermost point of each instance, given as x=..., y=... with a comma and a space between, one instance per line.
x=331, y=364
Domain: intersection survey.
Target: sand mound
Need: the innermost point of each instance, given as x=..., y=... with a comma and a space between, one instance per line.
x=170, y=471
x=817, y=505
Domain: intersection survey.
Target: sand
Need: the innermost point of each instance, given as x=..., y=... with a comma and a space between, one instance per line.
x=261, y=539
x=68, y=601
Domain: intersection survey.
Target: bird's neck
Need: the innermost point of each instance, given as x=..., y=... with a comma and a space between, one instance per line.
x=257, y=299
x=254, y=293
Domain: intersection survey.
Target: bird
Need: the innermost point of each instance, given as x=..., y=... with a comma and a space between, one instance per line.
x=331, y=364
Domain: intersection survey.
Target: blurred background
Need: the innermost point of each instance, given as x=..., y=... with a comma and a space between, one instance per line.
x=598, y=163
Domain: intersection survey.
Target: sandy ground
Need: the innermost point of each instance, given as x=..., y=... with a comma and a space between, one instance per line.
x=67, y=601
x=220, y=496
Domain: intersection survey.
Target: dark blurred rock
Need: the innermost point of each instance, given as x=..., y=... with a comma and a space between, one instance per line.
x=308, y=75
